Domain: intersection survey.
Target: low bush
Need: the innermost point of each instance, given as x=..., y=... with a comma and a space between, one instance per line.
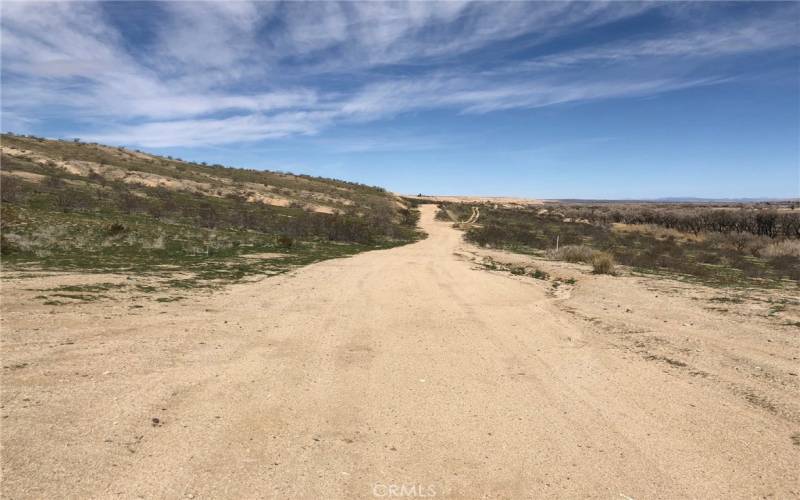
x=285, y=241
x=539, y=274
x=602, y=263
x=115, y=229
x=517, y=270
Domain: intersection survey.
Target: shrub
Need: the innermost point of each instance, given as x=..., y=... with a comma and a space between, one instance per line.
x=572, y=253
x=115, y=229
x=539, y=274
x=741, y=242
x=489, y=263
x=285, y=241
x=602, y=263
x=517, y=270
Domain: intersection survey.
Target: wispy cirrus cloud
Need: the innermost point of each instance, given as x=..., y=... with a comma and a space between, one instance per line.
x=732, y=38
x=205, y=131
x=216, y=73
x=381, y=101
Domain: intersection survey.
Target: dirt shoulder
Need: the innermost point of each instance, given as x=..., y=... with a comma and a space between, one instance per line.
x=743, y=340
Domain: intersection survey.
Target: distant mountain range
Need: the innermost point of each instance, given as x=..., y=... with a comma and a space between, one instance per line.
x=681, y=199
x=689, y=199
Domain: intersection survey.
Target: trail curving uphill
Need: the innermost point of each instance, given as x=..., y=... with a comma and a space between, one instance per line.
x=405, y=367
x=473, y=218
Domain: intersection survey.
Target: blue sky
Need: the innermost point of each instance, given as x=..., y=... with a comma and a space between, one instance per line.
x=537, y=99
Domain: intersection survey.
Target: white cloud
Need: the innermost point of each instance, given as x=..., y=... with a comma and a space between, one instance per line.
x=227, y=72
x=201, y=36
x=201, y=132
x=733, y=38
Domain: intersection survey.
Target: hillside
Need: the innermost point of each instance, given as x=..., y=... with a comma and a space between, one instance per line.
x=68, y=204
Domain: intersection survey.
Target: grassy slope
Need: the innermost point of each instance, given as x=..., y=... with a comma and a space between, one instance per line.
x=96, y=208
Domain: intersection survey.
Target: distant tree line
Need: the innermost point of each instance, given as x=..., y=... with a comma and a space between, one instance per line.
x=758, y=221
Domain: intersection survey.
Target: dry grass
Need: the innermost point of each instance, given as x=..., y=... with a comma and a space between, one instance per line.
x=45, y=237
x=602, y=263
x=785, y=248
x=656, y=231
x=572, y=253
x=156, y=243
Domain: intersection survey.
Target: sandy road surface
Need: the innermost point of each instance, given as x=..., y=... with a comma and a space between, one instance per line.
x=405, y=368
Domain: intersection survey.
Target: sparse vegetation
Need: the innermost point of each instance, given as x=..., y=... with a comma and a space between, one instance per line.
x=714, y=257
x=759, y=219
x=82, y=206
x=516, y=270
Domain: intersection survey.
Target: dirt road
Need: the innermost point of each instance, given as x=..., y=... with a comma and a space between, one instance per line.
x=400, y=372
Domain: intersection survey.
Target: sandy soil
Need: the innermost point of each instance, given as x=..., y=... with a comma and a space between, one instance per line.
x=410, y=368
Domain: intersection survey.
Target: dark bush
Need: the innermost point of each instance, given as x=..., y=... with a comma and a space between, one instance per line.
x=285, y=241
x=115, y=229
